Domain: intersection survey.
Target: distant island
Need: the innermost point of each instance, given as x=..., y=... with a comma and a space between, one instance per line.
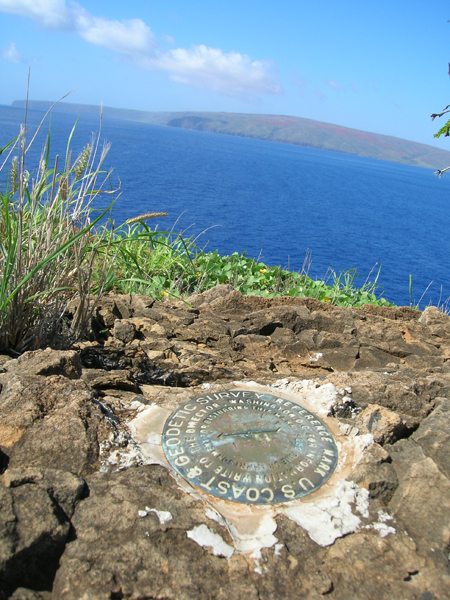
x=275, y=128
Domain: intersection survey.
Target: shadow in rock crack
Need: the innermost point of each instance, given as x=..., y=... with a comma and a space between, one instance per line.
x=34, y=567
x=4, y=461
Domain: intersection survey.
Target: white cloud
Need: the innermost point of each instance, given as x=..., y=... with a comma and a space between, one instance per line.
x=128, y=36
x=48, y=14
x=10, y=54
x=230, y=73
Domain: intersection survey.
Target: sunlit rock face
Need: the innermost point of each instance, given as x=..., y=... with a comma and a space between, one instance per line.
x=92, y=507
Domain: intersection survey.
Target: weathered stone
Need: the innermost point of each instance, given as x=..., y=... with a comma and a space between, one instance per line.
x=422, y=500
x=393, y=391
x=340, y=359
x=124, y=330
x=252, y=344
x=119, y=552
x=433, y=435
x=391, y=369
x=49, y=422
x=373, y=358
x=360, y=566
x=325, y=340
x=398, y=313
x=24, y=594
x=63, y=487
x=34, y=524
x=106, y=318
x=47, y=362
x=104, y=380
x=202, y=331
x=385, y=425
x=375, y=473
x=436, y=321
x=209, y=297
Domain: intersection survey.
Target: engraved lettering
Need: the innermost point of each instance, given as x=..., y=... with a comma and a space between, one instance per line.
x=194, y=472
x=303, y=485
x=173, y=442
x=173, y=431
x=252, y=494
x=207, y=485
x=269, y=492
x=223, y=486
x=288, y=491
x=176, y=451
x=237, y=491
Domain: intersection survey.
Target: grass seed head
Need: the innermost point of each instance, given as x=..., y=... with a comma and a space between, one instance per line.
x=149, y=215
x=14, y=176
x=82, y=161
x=63, y=187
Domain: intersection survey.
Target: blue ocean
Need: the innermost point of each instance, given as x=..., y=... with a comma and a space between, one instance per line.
x=276, y=202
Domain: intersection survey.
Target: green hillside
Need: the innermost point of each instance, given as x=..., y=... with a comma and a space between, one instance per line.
x=276, y=128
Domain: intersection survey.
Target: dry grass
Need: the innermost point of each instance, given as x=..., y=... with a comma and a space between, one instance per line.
x=47, y=251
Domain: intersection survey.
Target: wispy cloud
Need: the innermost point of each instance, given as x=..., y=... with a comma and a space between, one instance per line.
x=318, y=94
x=334, y=85
x=10, y=54
x=230, y=73
x=168, y=38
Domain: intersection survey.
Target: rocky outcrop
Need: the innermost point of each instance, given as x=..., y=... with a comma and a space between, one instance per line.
x=83, y=513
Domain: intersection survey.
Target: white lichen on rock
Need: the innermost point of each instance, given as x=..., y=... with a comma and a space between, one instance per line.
x=203, y=536
x=320, y=397
x=253, y=541
x=164, y=516
x=330, y=518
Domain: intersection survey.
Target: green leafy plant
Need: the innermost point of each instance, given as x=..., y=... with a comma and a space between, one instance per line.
x=164, y=264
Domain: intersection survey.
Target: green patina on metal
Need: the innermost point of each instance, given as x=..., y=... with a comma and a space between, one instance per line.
x=249, y=447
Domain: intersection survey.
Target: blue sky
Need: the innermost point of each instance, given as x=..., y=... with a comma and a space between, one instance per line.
x=376, y=66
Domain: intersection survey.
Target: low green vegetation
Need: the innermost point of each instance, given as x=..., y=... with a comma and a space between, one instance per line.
x=162, y=264
x=55, y=246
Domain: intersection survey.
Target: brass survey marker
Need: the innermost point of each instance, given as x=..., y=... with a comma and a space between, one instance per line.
x=249, y=447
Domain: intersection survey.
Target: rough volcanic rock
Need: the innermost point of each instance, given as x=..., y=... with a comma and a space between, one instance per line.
x=375, y=473
x=123, y=550
x=422, y=501
x=385, y=425
x=49, y=421
x=433, y=435
x=83, y=514
x=126, y=548
x=36, y=507
x=46, y=362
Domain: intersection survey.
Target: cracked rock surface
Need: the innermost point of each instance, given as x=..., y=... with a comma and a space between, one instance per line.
x=84, y=515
